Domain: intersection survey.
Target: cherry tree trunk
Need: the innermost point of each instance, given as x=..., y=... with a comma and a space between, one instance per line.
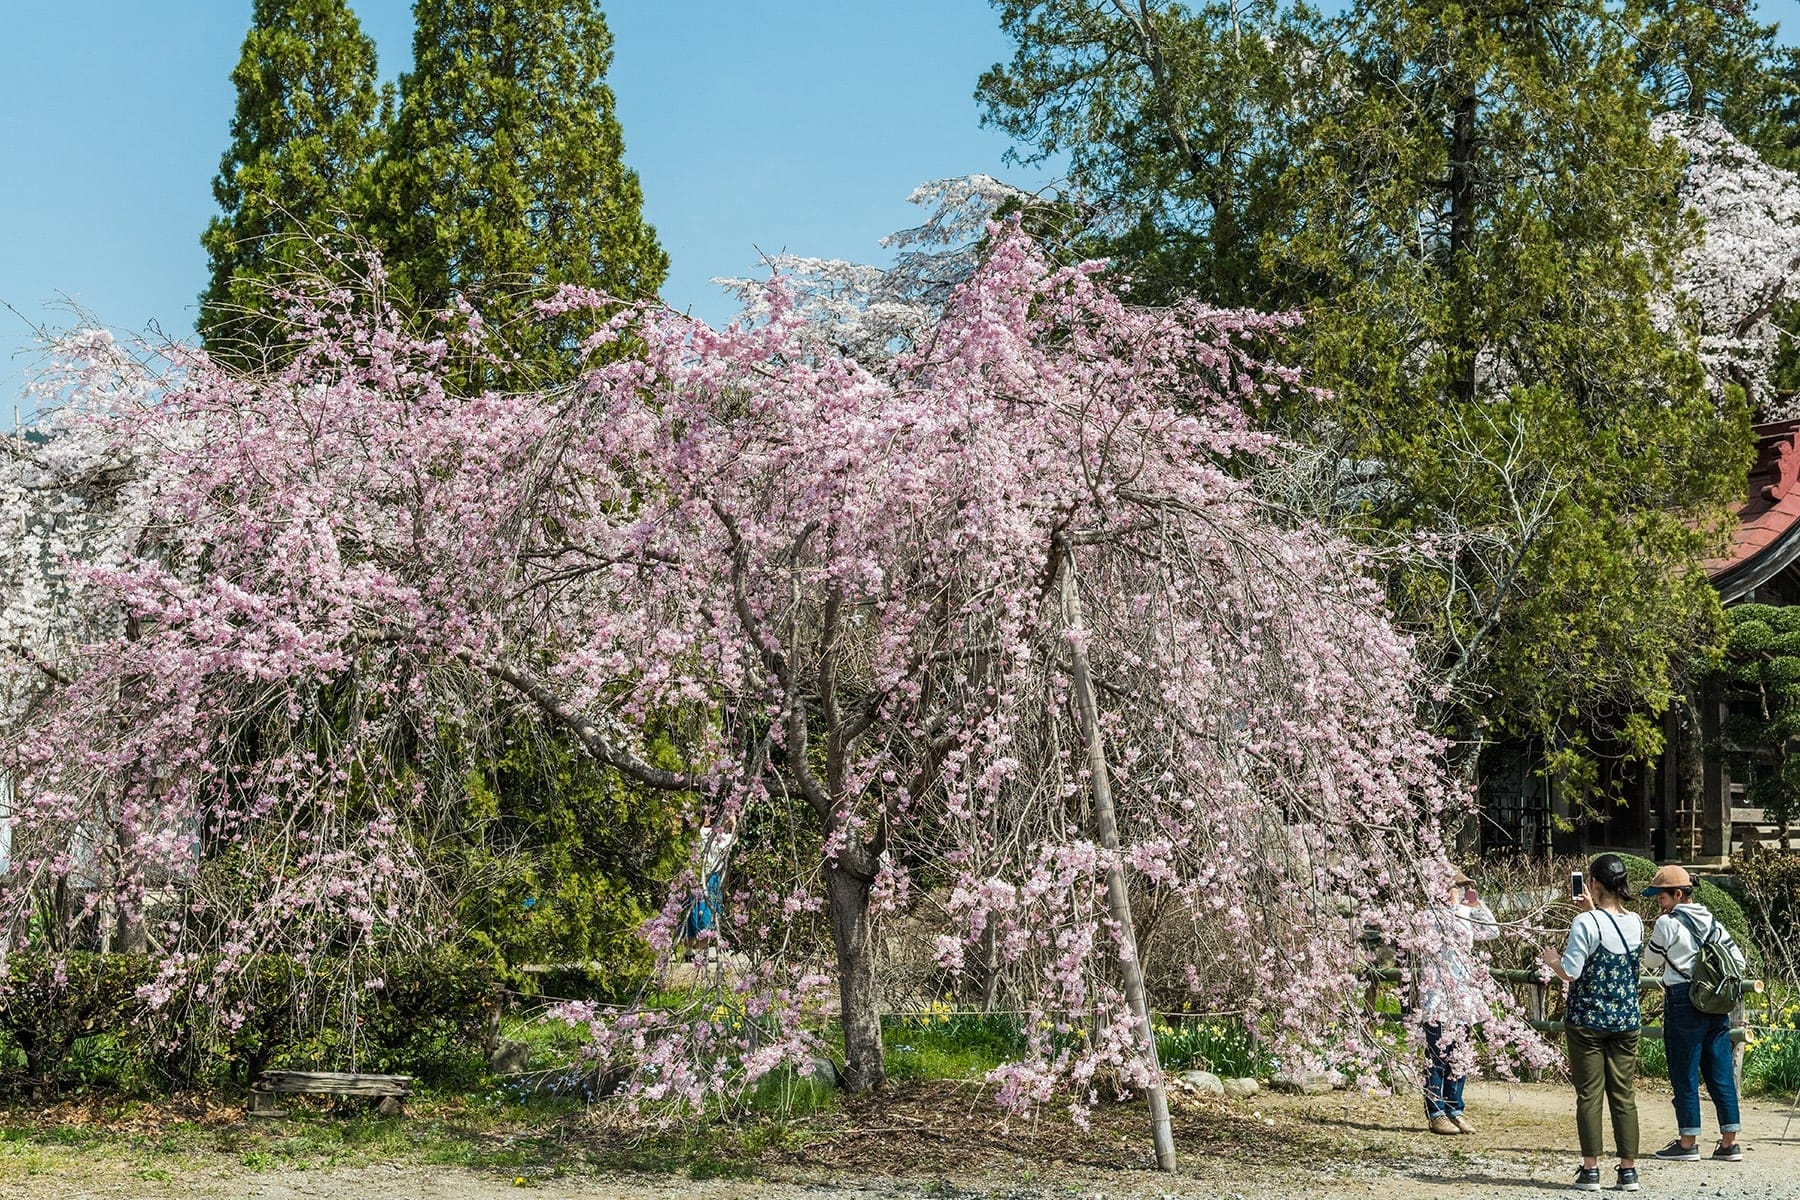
x=850, y=931
x=1118, y=899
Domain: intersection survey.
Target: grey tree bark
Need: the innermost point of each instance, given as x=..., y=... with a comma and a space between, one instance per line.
x=864, y=1069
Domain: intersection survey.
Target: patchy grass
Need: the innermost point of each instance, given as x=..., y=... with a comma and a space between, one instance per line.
x=490, y=1133
x=937, y=1043
x=552, y=1043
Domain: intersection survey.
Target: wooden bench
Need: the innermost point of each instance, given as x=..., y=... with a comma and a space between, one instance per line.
x=389, y=1091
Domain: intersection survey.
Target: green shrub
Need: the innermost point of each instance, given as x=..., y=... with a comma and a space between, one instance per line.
x=433, y=1016
x=50, y=1001
x=430, y=1015
x=76, y=1018
x=1653, y=1058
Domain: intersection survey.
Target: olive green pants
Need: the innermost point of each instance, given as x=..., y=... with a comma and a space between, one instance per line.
x=1604, y=1068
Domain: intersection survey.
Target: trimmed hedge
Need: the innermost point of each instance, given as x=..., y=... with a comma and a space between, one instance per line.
x=48, y=1002
x=429, y=1015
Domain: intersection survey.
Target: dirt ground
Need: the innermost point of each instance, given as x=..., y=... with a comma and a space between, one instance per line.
x=931, y=1143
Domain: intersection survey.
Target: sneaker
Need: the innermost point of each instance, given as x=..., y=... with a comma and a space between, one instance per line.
x=1462, y=1123
x=1446, y=1125
x=1628, y=1181
x=1731, y=1153
x=1587, y=1179
x=1676, y=1152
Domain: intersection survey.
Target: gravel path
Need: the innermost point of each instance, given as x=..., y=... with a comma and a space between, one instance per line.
x=1525, y=1147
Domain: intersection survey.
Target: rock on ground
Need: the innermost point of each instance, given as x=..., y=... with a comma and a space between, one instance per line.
x=1203, y=1083
x=1302, y=1085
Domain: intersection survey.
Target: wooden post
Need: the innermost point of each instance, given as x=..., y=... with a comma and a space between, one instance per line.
x=1535, y=1008
x=1739, y=1020
x=1117, y=899
x=1715, y=798
x=990, y=962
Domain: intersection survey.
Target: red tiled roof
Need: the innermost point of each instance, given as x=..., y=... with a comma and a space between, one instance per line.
x=1772, y=504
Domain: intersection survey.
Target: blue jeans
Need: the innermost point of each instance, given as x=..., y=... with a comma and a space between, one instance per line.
x=1443, y=1090
x=1698, y=1045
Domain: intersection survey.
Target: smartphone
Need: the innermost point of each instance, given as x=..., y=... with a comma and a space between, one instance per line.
x=1469, y=897
x=1577, y=885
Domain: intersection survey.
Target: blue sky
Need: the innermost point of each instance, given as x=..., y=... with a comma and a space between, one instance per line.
x=781, y=124
x=755, y=125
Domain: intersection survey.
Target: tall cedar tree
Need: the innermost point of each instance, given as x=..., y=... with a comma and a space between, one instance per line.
x=503, y=177
x=1468, y=205
x=309, y=124
x=506, y=175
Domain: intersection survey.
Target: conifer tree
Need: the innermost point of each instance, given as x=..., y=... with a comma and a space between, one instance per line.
x=308, y=127
x=1469, y=205
x=505, y=174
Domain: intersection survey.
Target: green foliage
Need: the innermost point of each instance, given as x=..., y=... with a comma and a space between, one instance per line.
x=49, y=1002
x=1772, y=1057
x=430, y=1017
x=500, y=176
x=505, y=175
x=1771, y=888
x=1772, y=1064
x=308, y=127
x=1719, y=59
x=1184, y=130
x=1468, y=205
x=1760, y=672
x=422, y=1014
x=573, y=859
x=1223, y=1047
x=76, y=1018
x=1653, y=1058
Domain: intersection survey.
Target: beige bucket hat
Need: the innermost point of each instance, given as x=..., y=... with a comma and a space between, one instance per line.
x=1668, y=877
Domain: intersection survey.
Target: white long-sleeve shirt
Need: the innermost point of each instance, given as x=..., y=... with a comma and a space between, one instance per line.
x=1448, y=989
x=1674, y=949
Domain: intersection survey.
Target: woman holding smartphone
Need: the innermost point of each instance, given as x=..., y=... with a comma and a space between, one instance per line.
x=1599, y=962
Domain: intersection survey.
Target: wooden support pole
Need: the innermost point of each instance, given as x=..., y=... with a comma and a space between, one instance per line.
x=1536, y=1010
x=1117, y=898
x=1740, y=1022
